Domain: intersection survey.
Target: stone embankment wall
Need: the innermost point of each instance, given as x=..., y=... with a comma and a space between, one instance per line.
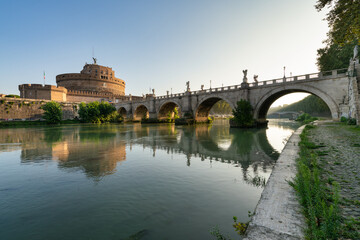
x=30, y=109
x=278, y=213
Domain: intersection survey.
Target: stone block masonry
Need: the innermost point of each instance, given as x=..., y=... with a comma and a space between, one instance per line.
x=30, y=109
x=278, y=213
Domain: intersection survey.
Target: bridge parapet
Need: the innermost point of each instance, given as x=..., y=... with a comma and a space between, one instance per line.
x=306, y=77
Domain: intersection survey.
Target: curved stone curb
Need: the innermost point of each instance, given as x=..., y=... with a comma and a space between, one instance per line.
x=278, y=213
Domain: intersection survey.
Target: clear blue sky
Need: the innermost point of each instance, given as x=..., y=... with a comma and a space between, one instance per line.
x=160, y=43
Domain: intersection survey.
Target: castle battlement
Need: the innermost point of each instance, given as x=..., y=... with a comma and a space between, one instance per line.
x=94, y=82
x=42, y=87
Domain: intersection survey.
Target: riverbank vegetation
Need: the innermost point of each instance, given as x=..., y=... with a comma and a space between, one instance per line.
x=311, y=104
x=306, y=118
x=52, y=112
x=243, y=115
x=16, y=124
x=96, y=112
x=320, y=203
x=326, y=182
x=221, y=108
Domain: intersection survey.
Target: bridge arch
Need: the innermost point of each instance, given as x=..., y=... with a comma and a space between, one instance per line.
x=140, y=112
x=204, y=106
x=122, y=112
x=262, y=106
x=166, y=107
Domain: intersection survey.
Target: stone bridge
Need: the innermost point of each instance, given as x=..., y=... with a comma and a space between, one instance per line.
x=332, y=87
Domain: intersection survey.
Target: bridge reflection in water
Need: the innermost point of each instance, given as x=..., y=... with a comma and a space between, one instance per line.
x=97, y=151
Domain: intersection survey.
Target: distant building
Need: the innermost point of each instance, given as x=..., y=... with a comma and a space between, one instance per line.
x=93, y=83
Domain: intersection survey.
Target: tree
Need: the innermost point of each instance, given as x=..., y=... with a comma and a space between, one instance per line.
x=96, y=112
x=243, y=114
x=52, y=112
x=344, y=23
x=334, y=56
x=343, y=19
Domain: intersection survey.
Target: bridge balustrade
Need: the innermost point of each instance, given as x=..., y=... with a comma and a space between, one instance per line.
x=311, y=76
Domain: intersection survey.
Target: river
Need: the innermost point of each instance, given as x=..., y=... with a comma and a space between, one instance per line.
x=133, y=181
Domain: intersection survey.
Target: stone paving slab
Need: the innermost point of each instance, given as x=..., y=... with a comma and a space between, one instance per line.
x=278, y=213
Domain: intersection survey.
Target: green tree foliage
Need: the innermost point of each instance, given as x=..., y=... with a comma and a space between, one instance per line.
x=306, y=118
x=173, y=115
x=311, y=104
x=334, y=56
x=344, y=23
x=221, y=108
x=343, y=19
x=52, y=112
x=96, y=112
x=243, y=114
x=12, y=96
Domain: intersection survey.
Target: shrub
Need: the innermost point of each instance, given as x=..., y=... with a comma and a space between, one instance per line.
x=52, y=112
x=351, y=121
x=188, y=115
x=96, y=112
x=306, y=118
x=343, y=119
x=243, y=114
x=12, y=96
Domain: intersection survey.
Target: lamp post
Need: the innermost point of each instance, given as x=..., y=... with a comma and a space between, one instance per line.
x=284, y=71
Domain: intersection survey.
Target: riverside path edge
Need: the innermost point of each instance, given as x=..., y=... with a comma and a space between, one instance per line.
x=278, y=212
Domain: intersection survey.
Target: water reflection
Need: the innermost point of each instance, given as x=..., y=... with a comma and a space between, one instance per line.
x=98, y=150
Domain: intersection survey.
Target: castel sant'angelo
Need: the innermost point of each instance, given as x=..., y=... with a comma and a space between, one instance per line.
x=93, y=83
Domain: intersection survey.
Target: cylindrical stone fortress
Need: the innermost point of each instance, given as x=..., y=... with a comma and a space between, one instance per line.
x=93, y=78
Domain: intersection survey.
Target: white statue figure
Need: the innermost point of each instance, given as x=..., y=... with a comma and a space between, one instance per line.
x=356, y=52
x=256, y=78
x=245, y=78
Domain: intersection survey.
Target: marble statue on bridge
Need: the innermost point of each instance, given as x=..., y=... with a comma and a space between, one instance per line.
x=245, y=78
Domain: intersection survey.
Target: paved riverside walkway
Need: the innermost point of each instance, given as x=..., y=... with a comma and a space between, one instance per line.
x=340, y=162
x=278, y=213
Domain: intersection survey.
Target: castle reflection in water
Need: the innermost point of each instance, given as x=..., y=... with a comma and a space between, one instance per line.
x=99, y=150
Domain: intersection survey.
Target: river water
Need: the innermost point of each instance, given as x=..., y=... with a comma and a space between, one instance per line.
x=133, y=181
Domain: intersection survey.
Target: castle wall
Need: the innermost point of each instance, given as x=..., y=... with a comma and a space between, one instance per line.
x=47, y=92
x=30, y=109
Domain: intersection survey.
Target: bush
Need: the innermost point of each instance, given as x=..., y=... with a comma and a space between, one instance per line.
x=96, y=112
x=306, y=118
x=150, y=120
x=188, y=115
x=184, y=121
x=343, y=119
x=12, y=96
x=351, y=121
x=52, y=112
x=243, y=114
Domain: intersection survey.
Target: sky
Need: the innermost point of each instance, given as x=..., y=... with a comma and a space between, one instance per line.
x=160, y=44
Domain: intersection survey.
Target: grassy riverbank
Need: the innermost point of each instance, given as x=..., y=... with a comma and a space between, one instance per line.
x=9, y=124
x=322, y=172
